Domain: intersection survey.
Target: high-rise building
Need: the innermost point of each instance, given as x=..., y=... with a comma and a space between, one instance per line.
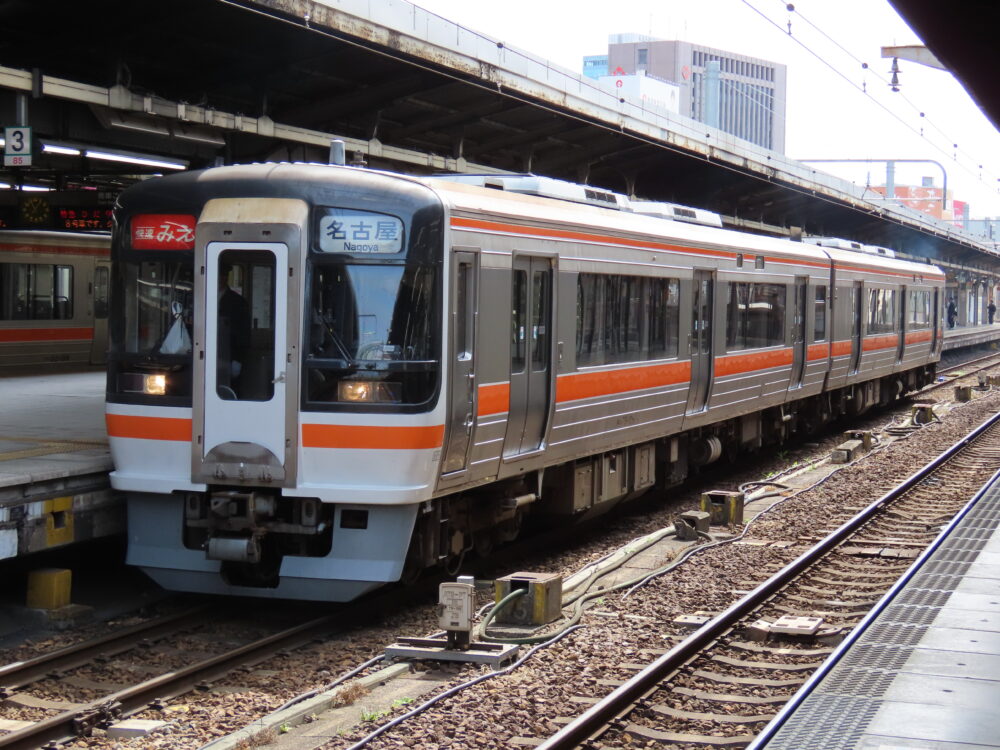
x=595, y=66
x=749, y=93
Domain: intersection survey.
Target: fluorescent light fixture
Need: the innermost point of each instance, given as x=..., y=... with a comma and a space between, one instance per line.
x=4, y=186
x=35, y=189
x=140, y=160
x=52, y=148
x=2, y=143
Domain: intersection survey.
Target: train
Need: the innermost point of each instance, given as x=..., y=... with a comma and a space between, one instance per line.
x=325, y=379
x=54, y=298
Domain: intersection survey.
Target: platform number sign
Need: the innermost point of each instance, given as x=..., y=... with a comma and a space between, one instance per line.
x=17, y=147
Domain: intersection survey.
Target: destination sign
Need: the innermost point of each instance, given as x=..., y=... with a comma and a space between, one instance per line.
x=360, y=232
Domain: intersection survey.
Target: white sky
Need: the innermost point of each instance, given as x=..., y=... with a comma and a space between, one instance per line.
x=827, y=116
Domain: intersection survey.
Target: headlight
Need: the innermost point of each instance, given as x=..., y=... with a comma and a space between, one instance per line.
x=145, y=383
x=154, y=385
x=368, y=391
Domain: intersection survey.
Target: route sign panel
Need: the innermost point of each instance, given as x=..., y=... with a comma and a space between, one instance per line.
x=17, y=147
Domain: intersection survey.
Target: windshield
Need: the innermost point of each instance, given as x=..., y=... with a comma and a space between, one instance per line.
x=158, y=306
x=371, y=334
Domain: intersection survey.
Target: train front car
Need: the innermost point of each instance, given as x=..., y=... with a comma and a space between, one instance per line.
x=274, y=376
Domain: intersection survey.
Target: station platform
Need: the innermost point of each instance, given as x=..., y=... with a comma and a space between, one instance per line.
x=54, y=462
x=923, y=671
x=961, y=337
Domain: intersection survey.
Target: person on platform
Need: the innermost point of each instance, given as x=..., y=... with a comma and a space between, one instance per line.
x=952, y=312
x=991, y=309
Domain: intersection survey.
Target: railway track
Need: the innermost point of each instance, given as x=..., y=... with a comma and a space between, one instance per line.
x=54, y=672
x=719, y=686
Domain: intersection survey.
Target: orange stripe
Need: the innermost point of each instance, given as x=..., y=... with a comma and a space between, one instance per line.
x=607, y=382
x=840, y=348
x=564, y=234
x=46, y=334
x=493, y=399
x=818, y=351
x=879, y=342
x=148, y=428
x=739, y=363
x=919, y=336
x=372, y=438
x=56, y=249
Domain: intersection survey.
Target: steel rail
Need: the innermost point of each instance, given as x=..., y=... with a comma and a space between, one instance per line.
x=79, y=721
x=796, y=701
x=20, y=673
x=595, y=719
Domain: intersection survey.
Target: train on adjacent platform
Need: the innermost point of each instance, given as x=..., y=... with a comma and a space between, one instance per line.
x=323, y=379
x=53, y=298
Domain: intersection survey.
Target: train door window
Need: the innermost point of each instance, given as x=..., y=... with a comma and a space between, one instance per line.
x=100, y=292
x=519, y=306
x=819, y=314
x=244, y=326
x=539, y=316
x=463, y=324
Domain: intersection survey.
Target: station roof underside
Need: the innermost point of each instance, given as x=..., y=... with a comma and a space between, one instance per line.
x=964, y=38
x=266, y=58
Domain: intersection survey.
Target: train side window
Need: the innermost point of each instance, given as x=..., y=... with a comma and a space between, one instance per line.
x=63, y=291
x=625, y=319
x=736, y=316
x=100, y=292
x=881, y=310
x=819, y=306
x=755, y=315
x=663, y=317
x=919, y=310
x=33, y=291
x=589, y=320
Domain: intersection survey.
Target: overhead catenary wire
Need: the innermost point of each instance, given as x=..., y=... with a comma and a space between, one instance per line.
x=839, y=73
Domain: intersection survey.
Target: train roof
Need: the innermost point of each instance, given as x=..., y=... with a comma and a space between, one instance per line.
x=470, y=194
x=532, y=208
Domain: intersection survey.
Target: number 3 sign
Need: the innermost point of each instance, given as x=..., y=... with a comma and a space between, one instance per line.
x=17, y=147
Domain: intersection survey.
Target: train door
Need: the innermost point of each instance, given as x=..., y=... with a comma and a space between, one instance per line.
x=530, y=354
x=462, y=356
x=243, y=362
x=101, y=286
x=857, y=315
x=901, y=324
x=936, y=317
x=701, y=340
x=799, y=333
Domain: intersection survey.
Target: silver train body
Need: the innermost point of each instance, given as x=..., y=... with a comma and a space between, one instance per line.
x=427, y=361
x=53, y=298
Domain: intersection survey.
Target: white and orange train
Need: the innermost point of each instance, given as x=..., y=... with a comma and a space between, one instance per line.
x=53, y=298
x=324, y=378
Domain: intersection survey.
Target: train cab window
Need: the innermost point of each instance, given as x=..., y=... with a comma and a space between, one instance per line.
x=35, y=291
x=371, y=335
x=157, y=295
x=819, y=308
